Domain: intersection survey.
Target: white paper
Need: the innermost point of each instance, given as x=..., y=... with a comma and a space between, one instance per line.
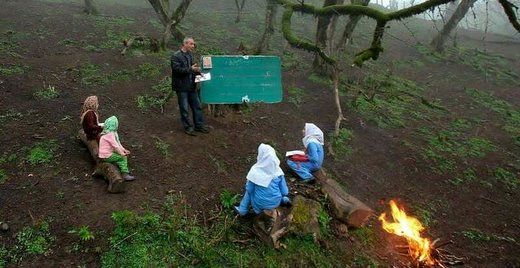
x=289, y=153
x=202, y=77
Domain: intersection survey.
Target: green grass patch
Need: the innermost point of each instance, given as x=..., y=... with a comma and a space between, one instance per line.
x=363, y=260
x=493, y=66
x=114, y=39
x=148, y=70
x=10, y=70
x=163, y=93
x=318, y=79
x=172, y=238
x=324, y=220
x=509, y=114
x=296, y=95
x=110, y=22
x=3, y=176
x=468, y=175
x=83, y=232
x=30, y=241
x=391, y=102
x=162, y=146
x=4, y=254
x=42, y=152
x=10, y=115
x=508, y=178
x=476, y=235
x=228, y=199
x=205, y=49
x=60, y=195
x=341, y=143
x=365, y=235
x=424, y=215
x=6, y=158
x=92, y=74
x=68, y=42
x=290, y=60
x=10, y=43
x=447, y=146
x=46, y=93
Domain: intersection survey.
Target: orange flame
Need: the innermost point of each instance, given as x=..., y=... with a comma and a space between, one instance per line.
x=410, y=228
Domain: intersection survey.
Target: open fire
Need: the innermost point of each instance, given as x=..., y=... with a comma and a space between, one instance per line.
x=423, y=251
x=410, y=228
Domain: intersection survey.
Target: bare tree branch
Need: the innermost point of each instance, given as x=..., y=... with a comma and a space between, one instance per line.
x=511, y=15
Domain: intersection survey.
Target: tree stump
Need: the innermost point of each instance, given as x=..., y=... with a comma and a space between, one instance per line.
x=346, y=208
x=109, y=172
x=271, y=225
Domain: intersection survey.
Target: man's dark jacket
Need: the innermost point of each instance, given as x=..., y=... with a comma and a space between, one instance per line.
x=183, y=78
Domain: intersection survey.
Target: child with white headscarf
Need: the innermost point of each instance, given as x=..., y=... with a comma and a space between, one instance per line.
x=266, y=187
x=313, y=142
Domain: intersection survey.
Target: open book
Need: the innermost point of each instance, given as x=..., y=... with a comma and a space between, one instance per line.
x=289, y=153
x=202, y=77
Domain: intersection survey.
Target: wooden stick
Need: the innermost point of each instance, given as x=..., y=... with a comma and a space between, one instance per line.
x=32, y=218
x=125, y=239
x=443, y=244
x=490, y=200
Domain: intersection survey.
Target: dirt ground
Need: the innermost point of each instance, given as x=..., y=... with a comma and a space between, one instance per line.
x=378, y=169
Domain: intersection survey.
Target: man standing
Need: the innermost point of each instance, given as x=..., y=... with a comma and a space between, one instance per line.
x=183, y=82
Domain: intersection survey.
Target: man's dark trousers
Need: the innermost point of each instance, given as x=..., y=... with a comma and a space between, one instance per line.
x=186, y=100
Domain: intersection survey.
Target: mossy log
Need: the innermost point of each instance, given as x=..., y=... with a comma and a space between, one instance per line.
x=346, y=208
x=109, y=172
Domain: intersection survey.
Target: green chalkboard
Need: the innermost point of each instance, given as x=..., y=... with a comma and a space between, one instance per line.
x=238, y=79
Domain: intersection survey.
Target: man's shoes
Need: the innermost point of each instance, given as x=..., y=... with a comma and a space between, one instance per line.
x=190, y=131
x=202, y=129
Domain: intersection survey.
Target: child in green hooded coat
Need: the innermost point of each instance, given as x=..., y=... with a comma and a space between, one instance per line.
x=111, y=150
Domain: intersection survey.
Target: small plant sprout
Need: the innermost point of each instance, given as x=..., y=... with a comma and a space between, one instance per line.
x=83, y=233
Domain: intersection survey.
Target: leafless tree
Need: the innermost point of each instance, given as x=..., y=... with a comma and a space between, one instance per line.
x=170, y=17
x=375, y=48
x=439, y=41
x=270, y=16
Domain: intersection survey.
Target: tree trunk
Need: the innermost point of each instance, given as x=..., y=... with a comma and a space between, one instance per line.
x=177, y=17
x=270, y=16
x=90, y=7
x=439, y=41
x=346, y=208
x=331, y=31
x=322, y=29
x=335, y=80
x=108, y=171
x=170, y=19
x=240, y=7
x=349, y=27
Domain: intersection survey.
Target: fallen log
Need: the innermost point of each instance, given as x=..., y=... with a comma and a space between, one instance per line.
x=109, y=172
x=345, y=207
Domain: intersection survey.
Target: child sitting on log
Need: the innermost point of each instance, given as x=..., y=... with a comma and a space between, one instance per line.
x=111, y=150
x=89, y=119
x=313, y=141
x=266, y=187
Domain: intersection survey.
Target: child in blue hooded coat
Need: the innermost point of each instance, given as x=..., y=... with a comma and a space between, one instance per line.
x=266, y=187
x=313, y=141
